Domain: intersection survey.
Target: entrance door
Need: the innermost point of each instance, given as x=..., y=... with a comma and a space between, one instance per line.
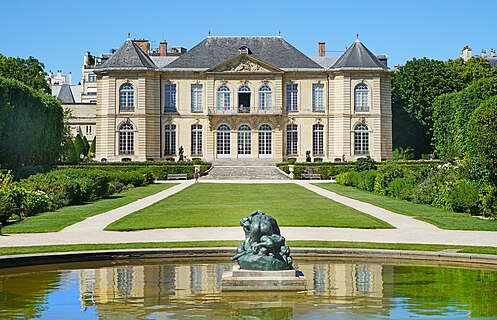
x=223, y=141
x=265, y=141
x=244, y=141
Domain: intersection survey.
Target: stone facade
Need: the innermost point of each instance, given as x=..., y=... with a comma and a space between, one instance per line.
x=148, y=107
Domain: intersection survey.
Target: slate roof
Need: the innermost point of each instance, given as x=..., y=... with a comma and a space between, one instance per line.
x=128, y=57
x=213, y=51
x=161, y=61
x=325, y=62
x=65, y=94
x=358, y=57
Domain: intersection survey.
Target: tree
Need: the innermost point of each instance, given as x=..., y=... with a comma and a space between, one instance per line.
x=79, y=146
x=482, y=140
x=70, y=154
x=91, y=152
x=29, y=71
x=451, y=116
x=414, y=88
x=87, y=146
x=473, y=69
x=31, y=126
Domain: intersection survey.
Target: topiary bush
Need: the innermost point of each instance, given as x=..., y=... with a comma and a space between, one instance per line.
x=367, y=179
x=363, y=164
x=401, y=188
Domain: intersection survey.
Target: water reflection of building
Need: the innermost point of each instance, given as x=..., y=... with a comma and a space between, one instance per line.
x=132, y=288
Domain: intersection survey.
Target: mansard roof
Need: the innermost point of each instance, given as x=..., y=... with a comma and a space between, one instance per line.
x=358, y=57
x=128, y=57
x=213, y=51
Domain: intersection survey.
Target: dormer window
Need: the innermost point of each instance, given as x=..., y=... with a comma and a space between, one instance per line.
x=245, y=50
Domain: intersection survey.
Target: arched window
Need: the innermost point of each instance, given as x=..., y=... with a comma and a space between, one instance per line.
x=361, y=139
x=291, y=139
x=361, y=97
x=265, y=99
x=223, y=140
x=126, y=139
x=244, y=93
x=169, y=139
x=244, y=140
x=223, y=99
x=196, y=140
x=318, y=139
x=265, y=140
x=126, y=97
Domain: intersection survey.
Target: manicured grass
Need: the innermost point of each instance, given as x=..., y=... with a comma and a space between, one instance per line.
x=59, y=219
x=234, y=244
x=221, y=205
x=439, y=217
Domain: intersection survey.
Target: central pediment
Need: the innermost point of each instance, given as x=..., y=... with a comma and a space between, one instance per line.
x=244, y=64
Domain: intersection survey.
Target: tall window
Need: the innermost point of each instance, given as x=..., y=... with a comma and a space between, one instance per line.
x=126, y=97
x=361, y=97
x=291, y=139
x=361, y=139
x=292, y=97
x=223, y=99
x=265, y=99
x=244, y=139
x=317, y=97
x=197, y=139
x=170, y=140
x=223, y=140
x=196, y=98
x=265, y=139
x=126, y=139
x=318, y=139
x=170, y=95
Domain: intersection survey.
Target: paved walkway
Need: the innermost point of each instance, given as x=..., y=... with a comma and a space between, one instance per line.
x=408, y=230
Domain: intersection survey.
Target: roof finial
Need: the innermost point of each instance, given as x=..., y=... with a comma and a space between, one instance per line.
x=129, y=35
x=279, y=33
x=357, y=35
x=209, y=33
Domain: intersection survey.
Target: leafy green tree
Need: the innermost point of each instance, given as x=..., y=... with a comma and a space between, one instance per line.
x=414, y=88
x=87, y=146
x=79, y=146
x=451, y=116
x=473, y=69
x=31, y=126
x=29, y=71
x=482, y=141
x=70, y=154
x=91, y=152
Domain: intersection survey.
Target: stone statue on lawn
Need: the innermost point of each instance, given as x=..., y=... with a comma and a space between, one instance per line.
x=264, y=248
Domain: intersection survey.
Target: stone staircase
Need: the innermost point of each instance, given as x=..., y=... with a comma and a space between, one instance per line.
x=244, y=169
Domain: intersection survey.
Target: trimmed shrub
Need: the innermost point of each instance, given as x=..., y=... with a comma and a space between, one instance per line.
x=363, y=164
x=401, y=188
x=7, y=208
x=134, y=178
x=367, y=179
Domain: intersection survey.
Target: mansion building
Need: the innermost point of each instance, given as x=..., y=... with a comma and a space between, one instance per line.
x=242, y=97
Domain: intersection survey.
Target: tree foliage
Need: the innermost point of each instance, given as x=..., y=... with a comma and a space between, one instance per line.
x=451, y=115
x=79, y=146
x=91, y=152
x=415, y=88
x=482, y=140
x=29, y=71
x=31, y=126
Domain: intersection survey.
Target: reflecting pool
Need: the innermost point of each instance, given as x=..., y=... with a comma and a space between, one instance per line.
x=186, y=289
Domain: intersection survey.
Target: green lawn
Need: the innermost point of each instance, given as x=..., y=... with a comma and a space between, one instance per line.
x=219, y=205
x=439, y=217
x=59, y=219
x=234, y=244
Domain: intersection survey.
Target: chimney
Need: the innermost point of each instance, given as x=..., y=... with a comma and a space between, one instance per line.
x=143, y=44
x=59, y=74
x=466, y=53
x=321, y=49
x=70, y=78
x=87, y=58
x=163, y=48
x=483, y=53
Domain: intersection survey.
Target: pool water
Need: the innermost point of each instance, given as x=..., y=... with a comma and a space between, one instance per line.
x=189, y=289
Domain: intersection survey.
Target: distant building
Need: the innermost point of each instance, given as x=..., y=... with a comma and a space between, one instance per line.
x=467, y=53
x=242, y=97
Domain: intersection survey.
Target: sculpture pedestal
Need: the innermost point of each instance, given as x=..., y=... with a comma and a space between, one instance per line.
x=256, y=280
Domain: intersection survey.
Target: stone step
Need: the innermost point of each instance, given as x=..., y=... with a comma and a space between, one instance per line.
x=223, y=172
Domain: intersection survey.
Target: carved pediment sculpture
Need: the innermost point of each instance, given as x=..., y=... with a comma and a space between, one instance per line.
x=244, y=65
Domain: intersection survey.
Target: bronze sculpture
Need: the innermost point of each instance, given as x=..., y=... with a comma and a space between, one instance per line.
x=264, y=248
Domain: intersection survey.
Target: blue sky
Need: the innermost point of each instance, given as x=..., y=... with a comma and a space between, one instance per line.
x=59, y=32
